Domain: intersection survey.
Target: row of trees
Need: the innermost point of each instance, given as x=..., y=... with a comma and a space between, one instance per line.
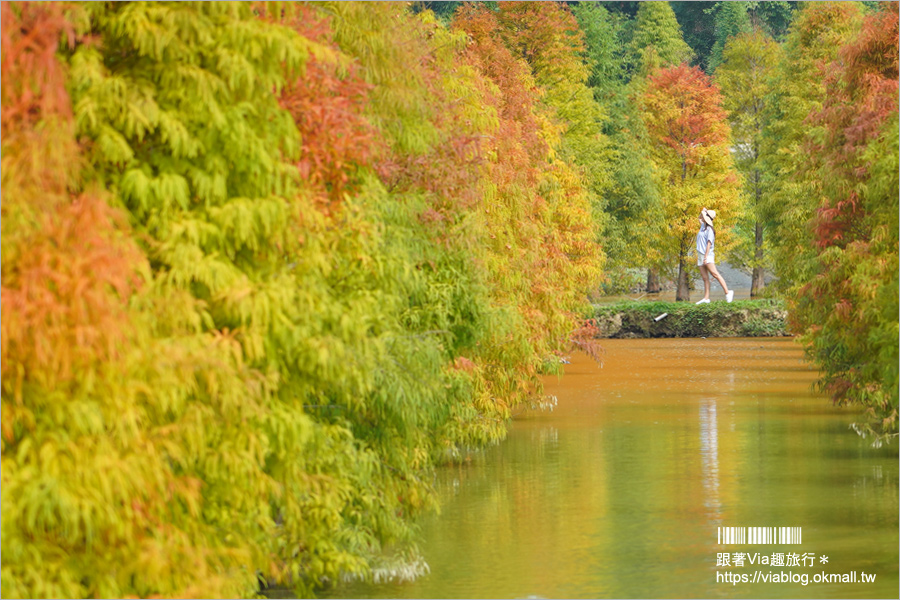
x=264, y=266
x=830, y=156
x=792, y=139
x=815, y=137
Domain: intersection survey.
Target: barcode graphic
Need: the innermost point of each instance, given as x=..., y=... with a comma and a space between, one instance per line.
x=760, y=535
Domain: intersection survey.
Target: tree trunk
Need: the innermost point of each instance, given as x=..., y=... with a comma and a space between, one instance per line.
x=683, y=292
x=758, y=283
x=652, y=281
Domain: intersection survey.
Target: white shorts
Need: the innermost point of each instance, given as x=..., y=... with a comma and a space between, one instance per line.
x=709, y=259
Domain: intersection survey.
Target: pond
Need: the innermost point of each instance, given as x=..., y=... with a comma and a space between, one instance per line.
x=621, y=490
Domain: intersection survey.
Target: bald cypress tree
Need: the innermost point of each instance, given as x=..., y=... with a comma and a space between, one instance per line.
x=745, y=78
x=691, y=151
x=846, y=308
x=656, y=43
x=549, y=38
x=657, y=40
x=261, y=271
x=732, y=18
x=632, y=195
x=817, y=32
x=166, y=251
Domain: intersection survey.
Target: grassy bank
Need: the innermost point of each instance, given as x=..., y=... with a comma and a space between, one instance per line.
x=742, y=318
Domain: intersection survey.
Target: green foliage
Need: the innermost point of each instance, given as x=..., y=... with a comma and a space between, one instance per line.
x=654, y=41
x=830, y=153
x=83, y=481
x=543, y=256
x=657, y=41
x=708, y=25
x=774, y=16
x=745, y=78
x=264, y=266
x=549, y=38
x=632, y=195
x=816, y=34
x=603, y=49
x=698, y=24
x=732, y=18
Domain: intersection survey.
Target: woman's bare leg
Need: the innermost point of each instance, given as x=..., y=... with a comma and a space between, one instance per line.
x=711, y=267
x=704, y=273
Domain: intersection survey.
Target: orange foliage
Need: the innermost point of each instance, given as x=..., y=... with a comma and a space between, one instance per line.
x=875, y=50
x=337, y=139
x=518, y=96
x=33, y=80
x=548, y=38
x=538, y=216
x=586, y=339
x=517, y=144
x=67, y=274
x=327, y=107
x=863, y=93
x=64, y=300
x=450, y=172
x=848, y=309
x=693, y=120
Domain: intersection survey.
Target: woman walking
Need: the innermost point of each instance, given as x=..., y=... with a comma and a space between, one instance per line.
x=706, y=258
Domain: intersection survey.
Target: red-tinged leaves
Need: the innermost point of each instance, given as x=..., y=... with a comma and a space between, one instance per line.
x=875, y=49
x=67, y=273
x=547, y=37
x=328, y=106
x=33, y=78
x=450, y=172
x=539, y=218
x=64, y=301
x=519, y=94
x=586, y=339
x=463, y=364
x=689, y=144
x=686, y=112
x=818, y=25
x=862, y=94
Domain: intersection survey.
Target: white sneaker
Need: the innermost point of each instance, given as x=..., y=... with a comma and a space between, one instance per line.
x=729, y=296
x=704, y=301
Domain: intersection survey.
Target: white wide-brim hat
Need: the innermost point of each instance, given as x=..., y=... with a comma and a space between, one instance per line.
x=708, y=216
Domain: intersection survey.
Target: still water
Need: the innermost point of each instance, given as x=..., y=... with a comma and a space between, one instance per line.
x=620, y=490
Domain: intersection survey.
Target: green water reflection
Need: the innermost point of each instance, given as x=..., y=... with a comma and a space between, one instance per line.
x=619, y=491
